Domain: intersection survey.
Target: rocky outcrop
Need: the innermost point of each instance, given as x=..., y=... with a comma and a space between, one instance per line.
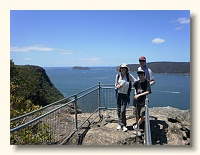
x=169, y=126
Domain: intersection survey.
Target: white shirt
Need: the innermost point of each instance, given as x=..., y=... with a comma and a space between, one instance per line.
x=124, y=83
x=148, y=73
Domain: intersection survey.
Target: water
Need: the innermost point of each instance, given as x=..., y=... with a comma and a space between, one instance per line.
x=169, y=90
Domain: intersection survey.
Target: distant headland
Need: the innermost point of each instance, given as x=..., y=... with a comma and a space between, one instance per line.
x=80, y=68
x=165, y=67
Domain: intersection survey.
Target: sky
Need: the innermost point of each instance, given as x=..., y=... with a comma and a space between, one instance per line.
x=66, y=38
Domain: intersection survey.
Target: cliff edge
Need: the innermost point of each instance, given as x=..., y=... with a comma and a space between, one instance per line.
x=169, y=126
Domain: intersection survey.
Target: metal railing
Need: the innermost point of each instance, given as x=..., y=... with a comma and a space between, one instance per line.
x=56, y=123
x=53, y=123
x=147, y=123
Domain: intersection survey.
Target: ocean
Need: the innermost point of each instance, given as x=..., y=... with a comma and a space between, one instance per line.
x=169, y=90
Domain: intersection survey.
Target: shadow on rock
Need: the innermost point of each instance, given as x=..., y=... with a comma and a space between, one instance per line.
x=159, y=130
x=82, y=136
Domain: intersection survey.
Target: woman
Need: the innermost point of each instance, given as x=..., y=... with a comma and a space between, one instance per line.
x=122, y=85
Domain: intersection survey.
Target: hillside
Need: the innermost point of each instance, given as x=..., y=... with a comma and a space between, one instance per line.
x=32, y=83
x=165, y=67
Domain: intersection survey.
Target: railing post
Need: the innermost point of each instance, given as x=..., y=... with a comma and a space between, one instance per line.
x=75, y=112
x=99, y=97
x=147, y=123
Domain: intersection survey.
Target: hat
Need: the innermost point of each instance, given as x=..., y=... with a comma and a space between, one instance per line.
x=140, y=71
x=142, y=58
x=123, y=65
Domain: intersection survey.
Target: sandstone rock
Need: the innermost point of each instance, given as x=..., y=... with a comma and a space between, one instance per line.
x=169, y=126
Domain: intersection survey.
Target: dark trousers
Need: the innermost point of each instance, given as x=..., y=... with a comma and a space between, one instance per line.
x=121, y=108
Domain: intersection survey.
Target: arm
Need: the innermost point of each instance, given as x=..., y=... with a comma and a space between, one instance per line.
x=117, y=85
x=116, y=82
x=147, y=91
x=132, y=79
x=152, y=81
x=142, y=94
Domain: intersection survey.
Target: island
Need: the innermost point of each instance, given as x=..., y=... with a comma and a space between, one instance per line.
x=80, y=68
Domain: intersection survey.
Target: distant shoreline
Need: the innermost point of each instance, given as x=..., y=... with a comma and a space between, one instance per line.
x=115, y=68
x=156, y=67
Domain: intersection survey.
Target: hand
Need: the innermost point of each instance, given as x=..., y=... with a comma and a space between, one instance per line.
x=152, y=82
x=136, y=96
x=119, y=86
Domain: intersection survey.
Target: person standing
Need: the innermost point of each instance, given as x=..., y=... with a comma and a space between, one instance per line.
x=142, y=89
x=123, y=86
x=148, y=72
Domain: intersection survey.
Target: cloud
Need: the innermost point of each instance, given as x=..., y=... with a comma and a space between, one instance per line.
x=31, y=48
x=158, y=41
x=40, y=48
x=183, y=20
x=90, y=60
x=178, y=28
x=65, y=53
x=27, y=58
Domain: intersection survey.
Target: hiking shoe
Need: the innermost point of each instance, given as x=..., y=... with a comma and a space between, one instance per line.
x=135, y=127
x=125, y=129
x=119, y=127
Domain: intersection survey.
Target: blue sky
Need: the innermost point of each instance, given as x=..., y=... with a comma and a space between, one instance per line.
x=55, y=38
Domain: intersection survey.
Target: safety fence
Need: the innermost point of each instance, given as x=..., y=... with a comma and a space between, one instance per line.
x=56, y=123
x=147, y=124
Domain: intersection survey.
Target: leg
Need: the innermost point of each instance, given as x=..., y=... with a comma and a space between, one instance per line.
x=138, y=116
x=142, y=114
x=123, y=112
x=137, y=113
x=141, y=120
x=119, y=100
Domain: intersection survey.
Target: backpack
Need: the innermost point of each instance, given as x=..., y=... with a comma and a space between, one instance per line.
x=130, y=86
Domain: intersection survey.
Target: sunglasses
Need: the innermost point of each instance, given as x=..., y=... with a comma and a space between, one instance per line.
x=142, y=60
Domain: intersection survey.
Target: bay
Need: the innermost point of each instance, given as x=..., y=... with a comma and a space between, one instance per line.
x=169, y=90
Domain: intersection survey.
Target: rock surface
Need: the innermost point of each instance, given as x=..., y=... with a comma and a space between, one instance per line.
x=169, y=126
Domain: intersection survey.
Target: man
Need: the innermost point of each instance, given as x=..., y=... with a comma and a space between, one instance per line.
x=142, y=88
x=148, y=72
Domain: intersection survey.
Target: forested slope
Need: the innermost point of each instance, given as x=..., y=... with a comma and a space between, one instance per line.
x=30, y=87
